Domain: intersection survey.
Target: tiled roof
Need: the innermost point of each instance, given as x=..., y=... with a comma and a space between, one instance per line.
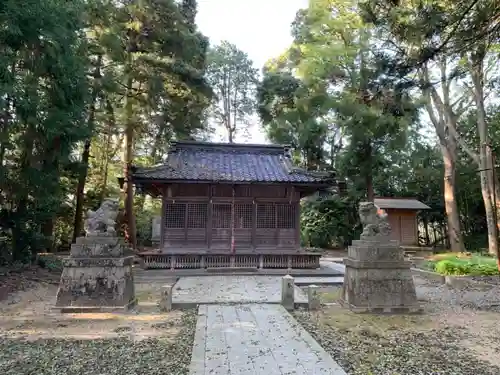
x=400, y=203
x=223, y=162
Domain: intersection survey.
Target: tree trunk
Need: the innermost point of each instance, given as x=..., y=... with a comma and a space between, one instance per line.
x=426, y=230
x=444, y=121
x=82, y=178
x=486, y=190
x=450, y=202
x=48, y=233
x=485, y=155
x=128, y=155
x=370, y=194
x=77, y=224
x=106, y=154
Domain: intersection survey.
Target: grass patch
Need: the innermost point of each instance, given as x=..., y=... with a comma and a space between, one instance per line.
x=330, y=295
x=462, y=264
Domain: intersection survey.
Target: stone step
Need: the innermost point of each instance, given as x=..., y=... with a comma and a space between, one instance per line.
x=231, y=269
x=304, y=281
x=328, y=269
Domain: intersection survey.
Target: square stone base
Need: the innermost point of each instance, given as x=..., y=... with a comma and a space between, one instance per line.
x=382, y=310
x=377, y=279
x=96, y=284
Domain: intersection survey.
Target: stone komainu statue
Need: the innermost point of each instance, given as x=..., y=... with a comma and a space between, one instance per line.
x=375, y=225
x=103, y=220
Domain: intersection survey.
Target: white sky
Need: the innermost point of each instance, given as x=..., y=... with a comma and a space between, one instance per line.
x=260, y=28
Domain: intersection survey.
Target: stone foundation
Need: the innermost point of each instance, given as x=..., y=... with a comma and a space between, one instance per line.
x=97, y=276
x=378, y=279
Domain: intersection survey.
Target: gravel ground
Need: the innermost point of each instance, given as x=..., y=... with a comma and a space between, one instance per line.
x=457, y=335
x=122, y=355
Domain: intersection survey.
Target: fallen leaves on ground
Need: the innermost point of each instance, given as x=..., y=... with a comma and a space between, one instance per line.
x=388, y=345
x=123, y=355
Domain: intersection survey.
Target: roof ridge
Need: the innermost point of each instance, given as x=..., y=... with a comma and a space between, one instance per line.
x=229, y=146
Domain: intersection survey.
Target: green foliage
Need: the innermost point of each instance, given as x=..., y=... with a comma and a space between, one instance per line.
x=52, y=262
x=294, y=114
x=328, y=222
x=474, y=266
x=144, y=218
x=5, y=251
x=232, y=76
x=81, y=73
x=45, y=92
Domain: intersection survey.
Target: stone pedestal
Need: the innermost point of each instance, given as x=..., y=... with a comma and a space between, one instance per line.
x=288, y=292
x=313, y=297
x=166, y=298
x=378, y=279
x=97, y=276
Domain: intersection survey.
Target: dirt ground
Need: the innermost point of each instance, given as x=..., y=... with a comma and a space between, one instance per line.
x=35, y=339
x=28, y=314
x=23, y=279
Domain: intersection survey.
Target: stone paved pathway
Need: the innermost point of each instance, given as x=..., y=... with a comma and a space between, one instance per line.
x=255, y=339
x=231, y=289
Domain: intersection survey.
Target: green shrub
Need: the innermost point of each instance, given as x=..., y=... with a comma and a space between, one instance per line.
x=5, y=251
x=474, y=266
x=328, y=222
x=50, y=261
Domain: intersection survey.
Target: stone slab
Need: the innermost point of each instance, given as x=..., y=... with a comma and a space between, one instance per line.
x=229, y=289
x=429, y=275
x=156, y=229
x=256, y=339
x=95, y=309
x=98, y=262
x=144, y=275
x=339, y=268
x=319, y=280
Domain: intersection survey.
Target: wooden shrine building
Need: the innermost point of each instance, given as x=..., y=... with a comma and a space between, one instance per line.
x=230, y=205
x=402, y=217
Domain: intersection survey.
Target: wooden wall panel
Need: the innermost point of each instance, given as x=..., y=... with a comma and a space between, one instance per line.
x=208, y=223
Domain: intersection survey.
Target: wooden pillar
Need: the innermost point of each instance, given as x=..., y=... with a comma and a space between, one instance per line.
x=163, y=218
x=233, y=216
x=186, y=211
x=254, y=224
x=297, y=224
x=276, y=229
x=400, y=239
x=209, y=218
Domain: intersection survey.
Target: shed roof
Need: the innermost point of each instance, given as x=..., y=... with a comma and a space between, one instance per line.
x=225, y=162
x=400, y=203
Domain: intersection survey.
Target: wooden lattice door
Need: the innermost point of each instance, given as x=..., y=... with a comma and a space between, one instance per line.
x=221, y=226
x=243, y=223
x=196, y=223
x=175, y=223
x=266, y=225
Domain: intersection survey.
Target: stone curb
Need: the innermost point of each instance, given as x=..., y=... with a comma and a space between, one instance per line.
x=452, y=281
x=429, y=275
x=465, y=281
x=192, y=305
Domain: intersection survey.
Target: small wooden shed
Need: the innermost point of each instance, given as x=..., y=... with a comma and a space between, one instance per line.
x=402, y=216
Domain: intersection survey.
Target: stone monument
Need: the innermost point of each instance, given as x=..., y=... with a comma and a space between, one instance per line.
x=377, y=278
x=98, y=274
x=156, y=230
